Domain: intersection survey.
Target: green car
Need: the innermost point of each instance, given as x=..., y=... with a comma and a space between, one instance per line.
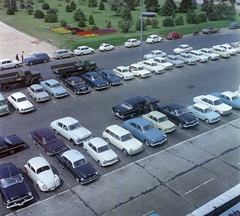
x=3, y=106
x=160, y=121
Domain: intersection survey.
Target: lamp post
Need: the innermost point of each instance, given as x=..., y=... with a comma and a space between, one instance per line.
x=141, y=30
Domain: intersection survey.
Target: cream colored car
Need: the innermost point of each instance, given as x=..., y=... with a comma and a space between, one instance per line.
x=221, y=51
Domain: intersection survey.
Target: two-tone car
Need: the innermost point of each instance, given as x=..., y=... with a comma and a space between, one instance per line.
x=132, y=43
x=95, y=80
x=155, y=53
x=209, y=53
x=38, y=93
x=111, y=77
x=152, y=66
x=163, y=62
x=210, y=30
x=138, y=70
x=223, y=53
x=183, y=48
x=229, y=48
x=83, y=50
x=76, y=85
x=174, y=60
x=123, y=72
x=228, y=97
x=7, y=63
x=154, y=39
x=200, y=57
x=187, y=58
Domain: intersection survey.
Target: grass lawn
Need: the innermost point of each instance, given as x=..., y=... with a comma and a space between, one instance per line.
x=39, y=29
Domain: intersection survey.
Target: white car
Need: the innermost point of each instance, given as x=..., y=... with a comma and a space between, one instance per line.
x=40, y=171
x=106, y=47
x=184, y=48
x=123, y=72
x=199, y=55
x=174, y=60
x=222, y=52
x=155, y=53
x=236, y=46
x=154, y=39
x=71, y=129
x=132, y=43
x=162, y=61
x=122, y=139
x=215, y=103
x=138, y=70
x=38, y=93
x=100, y=151
x=20, y=102
x=83, y=50
x=238, y=92
x=209, y=53
x=8, y=63
x=152, y=66
x=229, y=48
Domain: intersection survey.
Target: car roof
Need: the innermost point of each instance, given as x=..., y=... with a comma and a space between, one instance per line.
x=156, y=114
x=211, y=97
x=60, y=50
x=136, y=65
x=173, y=32
x=98, y=142
x=153, y=35
x=158, y=57
x=229, y=93
x=175, y=106
x=183, y=45
x=201, y=105
x=51, y=81
x=140, y=121
x=122, y=67
x=38, y=54
x=18, y=95
x=36, y=86
x=132, y=39
x=82, y=46
x=73, y=155
x=197, y=51
x=108, y=71
x=67, y=120
x=92, y=73
x=135, y=100
x=120, y=131
x=73, y=78
x=44, y=131
x=7, y=170
x=4, y=59
x=38, y=162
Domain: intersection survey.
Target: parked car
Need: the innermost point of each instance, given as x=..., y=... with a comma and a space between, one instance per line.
x=95, y=80
x=54, y=88
x=10, y=144
x=179, y=115
x=37, y=58
x=152, y=66
x=236, y=46
x=71, y=129
x=215, y=103
x=76, y=84
x=229, y=48
x=183, y=48
x=135, y=106
x=62, y=53
x=77, y=166
x=122, y=139
x=106, y=47
x=174, y=35
x=164, y=63
x=221, y=51
x=210, y=30
x=187, y=58
x=138, y=70
x=40, y=172
x=145, y=131
x=7, y=63
x=3, y=106
x=174, y=60
x=111, y=77
x=20, y=102
x=100, y=151
x=48, y=141
x=132, y=43
x=234, y=25
x=160, y=121
x=154, y=39
x=83, y=50
x=238, y=92
x=123, y=72
x=14, y=190
x=38, y=93
x=228, y=97
x=210, y=54
x=204, y=112
x=155, y=53
x=199, y=55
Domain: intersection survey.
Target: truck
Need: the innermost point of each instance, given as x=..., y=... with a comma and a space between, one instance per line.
x=80, y=66
x=22, y=77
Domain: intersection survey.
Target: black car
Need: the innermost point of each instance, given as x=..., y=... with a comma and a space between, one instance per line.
x=77, y=166
x=10, y=144
x=48, y=141
x=178, y=114
x=76, y=85
x=14, y=190
x=95, y=80
x=234, y=25
x=135, y=106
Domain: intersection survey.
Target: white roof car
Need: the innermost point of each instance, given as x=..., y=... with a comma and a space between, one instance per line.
x=71, y=129
x=236, y=46
x=209, y=53
x=152, y=66
x=174, y=60
x=122, y=139
x=8, y=63
x=132, y=43
x=62, y=53
x=40, y=171
x=123, y=72
x=138, y=70
x=82, y=50
x=154, y=39
x=199, y=55
x=229, y=48
x=162, y=61
x=100, y=151
x=222, y=52
x=182, y=48
x=155, y=53
x=106, y=47
x=38, y=93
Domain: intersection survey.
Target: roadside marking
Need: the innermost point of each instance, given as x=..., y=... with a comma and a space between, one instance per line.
x=188, y=66
x=54, y=101
x=124, y=84
x=177, y=69
x=238, y=163
x=212, y=62
x=149, y=213
x=138, y=80
x=199, y=186
x=201, y=64
x=71, y=94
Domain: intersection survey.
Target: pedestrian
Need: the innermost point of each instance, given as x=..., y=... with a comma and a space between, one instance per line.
x=17, y=57
x=22, y=56
x=107, y=25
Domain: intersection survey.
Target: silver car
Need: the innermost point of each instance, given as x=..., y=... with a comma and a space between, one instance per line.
x=38, y=93
x=174, y=60
x=187, y=58
x=62, y=53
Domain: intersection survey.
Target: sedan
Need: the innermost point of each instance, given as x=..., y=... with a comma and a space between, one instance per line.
x=40, y=171
x=174, y=60
x=152, y=66
x=54, y=88
x=154, y=39
x=76, y=84
x=187, y=58
x=77, y=166
x=83, y=50
x=174, y=35
x=182, y=48
x=37, y=58
x=236, y=46
x=123, y=72
x=111, y=77
x=155, y=53
x=95, y=80
x=199, y=55
x=222, y=52
x=163, y=62
x=100, y=151
x=71, y=129
x=210, y=30
x=229, y=98
x=132, y=43
x=210, y=54
x=20, y=102
x=234, y=25
x=106, y=47
x=229, y=48
x=138, y=70
x=38, y=93
x=8, y=63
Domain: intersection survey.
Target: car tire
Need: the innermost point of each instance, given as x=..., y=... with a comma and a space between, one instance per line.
x=48, y=154
x=35, y=80
x=107, y=140
x=81, y=54
x=71, y=55
x=16, y=66
x=131, y=46
x=180, y=125
x=6, y=87
x=95, y=88
x=92, y=52
x=209, y=32
x=87, y=152
x=218, y=112
x=181, y=37
x=147, y=142
x=125, y=152
x=152, y=42
x=56, y=131
x=45, y=60
x=39, y=187
x=210, y=58
x=99, y=162
x=35, y=142
x=207, y=121
x=73, y=142
x=60, y=57
x=77, y=179
x=104, y=50
x=31, y=64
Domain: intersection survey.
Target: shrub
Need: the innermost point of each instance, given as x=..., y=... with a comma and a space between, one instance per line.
x=73, y=5
x=230, y=17
x=79, y=15
x=168, y=22
x=45, y=6
x=202, y=17
x=51, y=18
x=68, y=9
x=94, y=28
x=91, y=19
x=155, y=23
x=29, y=11
x=73, y=32
x=81, y=23
x=63, y=23
x=10, y=11
x=125, y=25
x=39, y=14
x=52, y=11
x=6, y=3
x=148, y=21
x=67, y=1
x=101, y=6
x=30, y=2
x=179, y=21
x=213, y=16
x=138, y=25
x=191, y=17
x=40, y=1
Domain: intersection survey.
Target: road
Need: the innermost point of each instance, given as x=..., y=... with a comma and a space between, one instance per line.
x=193, y=167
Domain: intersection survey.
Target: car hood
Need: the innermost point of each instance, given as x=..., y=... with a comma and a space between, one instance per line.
x=144, y=71
x=121, y=109
x=81, y=132
x=223, y=107
x=100, y=82
x=59, y=90
x=108, y=155
x=24, y=105
x=148, y=56
x=154, y=134
x=211, y=115
x=81, y=86
x=55, y=145
x=187, y=117
x=166, y=124
x=42, y=94
x=85, y=171
x=129, y=74
x=133, y=144
x=115, y=79
x=47, y=177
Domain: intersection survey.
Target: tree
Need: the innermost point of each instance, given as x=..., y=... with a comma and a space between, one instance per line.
x=185, y=6
x=167, y=9
x=101, y=6
x=6, y=3
x=138, y=25
x=73, y=5
x=116, y=6
x=152, y=6
x=91, y=19
x=92, y=4
x=79, y=15
x=126, y=14
x=68, y=9
x=132, y=4
x=14, y=6
x=125, y=25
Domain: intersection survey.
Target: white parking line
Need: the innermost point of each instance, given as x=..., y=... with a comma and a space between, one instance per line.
x=177, y=69
x=53, y=101
x=188, y=66
x=71, y=94
x=199, y=186
x=138, y=80
x=149, y=213
x=201, y=64
x=212, y=62
x=238, y=163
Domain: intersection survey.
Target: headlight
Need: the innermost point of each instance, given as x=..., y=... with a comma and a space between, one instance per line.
x=8, y=201
x=44, y=187
x=82, y=179
x=96, y=173
x=78, y=140
x=29, y=193
x=57, y=181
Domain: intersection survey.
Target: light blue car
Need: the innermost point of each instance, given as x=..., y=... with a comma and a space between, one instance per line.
x=54, y=88
x=204, y=112
x=229, y=98
x=145, y=131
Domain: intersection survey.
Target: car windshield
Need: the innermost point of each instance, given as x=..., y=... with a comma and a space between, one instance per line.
x=153, y=64
x=74, y=126
x=217, y=102
x=42, y=169
x=207, y=110
x=21, y=99
x=188, y=56
x=125, y=70
x=39, y=90
x=235, y=97
x=111, y=75
x=76, y=82
x=164, y=60
x=140, y=68
x=162, y=119
x=79, y=163
x=126, y=105
x=153, y=53
x=55, y=85
x=126, y=137
x=147, y=127
x=103, y=149
x=200, y=54
x=181, y=111
x=3, y=102
x=50, y=138
x=11, y=180
x=96, y=77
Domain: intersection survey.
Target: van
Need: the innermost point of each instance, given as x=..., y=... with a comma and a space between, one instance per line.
x=62, y=53
x=3, y=106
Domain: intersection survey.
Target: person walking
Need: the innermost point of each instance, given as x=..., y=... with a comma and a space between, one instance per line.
x=22, y=56
x=17, y=58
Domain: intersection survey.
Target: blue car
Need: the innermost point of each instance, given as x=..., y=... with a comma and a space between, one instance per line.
x=145, y=131
x=95, y=80
x=37, y=58
x=229, y=98
x=54, y=88
x=111, y=77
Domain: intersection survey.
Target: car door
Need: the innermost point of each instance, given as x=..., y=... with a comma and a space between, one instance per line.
x=92, y=151
x=68, y=166
x=14, y=102
x=32, y=173
x=32, y=92
x=63, y=130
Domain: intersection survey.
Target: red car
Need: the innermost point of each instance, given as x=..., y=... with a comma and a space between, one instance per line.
x=174, y=35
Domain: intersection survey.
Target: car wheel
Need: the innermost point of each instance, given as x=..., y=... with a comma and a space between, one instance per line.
x=218, y=112
x=147, y=143
x=210, y=58
x=131, y=46
x=16, y=66
x=81, y=54
x=73, y=142
x=181, y=37
x=180, y=125
x=152, y=42
x=6, y=87
x=125, y=152
x=191, y=113
x=71, y=55
x=77, y=179
x=35, y=142
x=39, y=187
x=45, y=60
x=60, y=57
x=209, y=32
x=172, y=38
x=30, y=63
x=207, y=121
x=87, y=152
x=92, y=52
x=154, y=71
x=95, y=88
x=104, y=50
x=56, y=131
x=48, y=154
x=113, y=48
x=107, y=140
